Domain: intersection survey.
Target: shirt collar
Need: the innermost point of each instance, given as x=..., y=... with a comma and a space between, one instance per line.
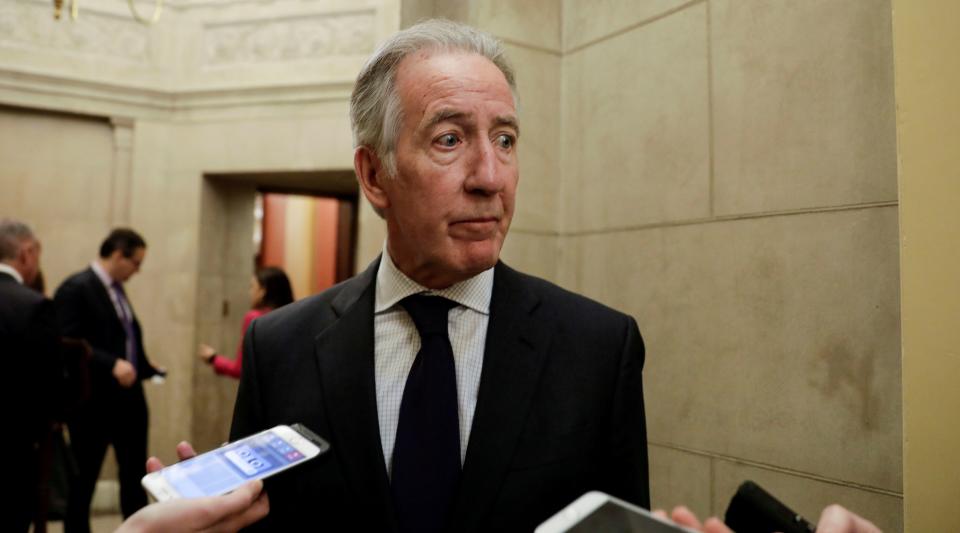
x=12, y=271
x=102, y=274
x=393, y=286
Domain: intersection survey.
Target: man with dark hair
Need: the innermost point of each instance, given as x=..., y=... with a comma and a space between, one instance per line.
x=124, y=240
x=31, y=358
x=93, y=306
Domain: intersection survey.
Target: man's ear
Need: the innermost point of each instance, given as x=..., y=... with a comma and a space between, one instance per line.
x=370, y=174
x=22, y=255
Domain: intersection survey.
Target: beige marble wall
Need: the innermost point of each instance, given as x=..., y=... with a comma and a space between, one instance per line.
x=225, y=266
x=729, y=178
x=55, y=174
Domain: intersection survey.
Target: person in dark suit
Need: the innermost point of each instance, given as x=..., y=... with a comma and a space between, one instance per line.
x=30, y=345
x=457, y=393
x=92, y=305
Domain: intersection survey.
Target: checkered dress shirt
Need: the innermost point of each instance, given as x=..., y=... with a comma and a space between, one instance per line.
x=396, y=343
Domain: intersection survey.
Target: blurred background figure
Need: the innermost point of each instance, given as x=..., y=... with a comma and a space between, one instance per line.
x=31, y=358
x=269, y=289
x=92, y=305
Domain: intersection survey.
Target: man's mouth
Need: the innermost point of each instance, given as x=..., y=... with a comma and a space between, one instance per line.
x=475, y=228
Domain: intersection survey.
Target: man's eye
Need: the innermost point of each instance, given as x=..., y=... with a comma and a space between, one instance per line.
x=449, y=140
x=505, y=141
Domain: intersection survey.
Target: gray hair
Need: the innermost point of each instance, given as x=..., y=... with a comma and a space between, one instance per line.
x=12, y=234
x=375, y=113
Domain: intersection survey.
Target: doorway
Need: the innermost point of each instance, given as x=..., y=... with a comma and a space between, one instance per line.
x=312, y=238
x=303, y=222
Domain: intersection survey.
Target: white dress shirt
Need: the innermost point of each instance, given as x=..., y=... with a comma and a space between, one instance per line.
x=396, y=343
x=7, y=269
x=119, y=303
x=108, y=284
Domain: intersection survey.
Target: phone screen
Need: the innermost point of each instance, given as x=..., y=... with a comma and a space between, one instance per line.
x=611, y=517
x=226, y=468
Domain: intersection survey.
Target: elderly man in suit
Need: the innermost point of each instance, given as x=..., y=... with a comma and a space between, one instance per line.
x=92, y=305
x=30, y=345
x=458, y=393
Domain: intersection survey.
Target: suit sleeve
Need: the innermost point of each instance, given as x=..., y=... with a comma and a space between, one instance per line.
x=627, y=466
x=71, y=315
x=145, y=369
x=248, y=411
x=43, y=337
x=248, y=414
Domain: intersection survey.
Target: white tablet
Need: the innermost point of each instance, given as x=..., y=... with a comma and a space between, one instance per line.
x=597, y=512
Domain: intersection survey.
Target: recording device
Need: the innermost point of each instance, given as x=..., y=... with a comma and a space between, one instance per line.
x=596, y=512
x=754, y=510
x=226, y=468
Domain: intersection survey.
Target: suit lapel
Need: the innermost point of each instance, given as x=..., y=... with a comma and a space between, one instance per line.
x=513, y=357
x=345, y=353
x=102, y=297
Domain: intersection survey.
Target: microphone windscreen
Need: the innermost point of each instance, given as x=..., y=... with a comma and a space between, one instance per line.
x=754, y=510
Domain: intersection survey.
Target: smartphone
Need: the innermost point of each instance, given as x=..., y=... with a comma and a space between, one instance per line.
x=226, y=468
x=601, y=513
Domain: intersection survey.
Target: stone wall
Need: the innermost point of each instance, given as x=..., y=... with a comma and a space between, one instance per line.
x=730, y=179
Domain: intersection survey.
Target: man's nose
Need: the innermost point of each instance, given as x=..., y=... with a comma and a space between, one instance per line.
x=485, y=175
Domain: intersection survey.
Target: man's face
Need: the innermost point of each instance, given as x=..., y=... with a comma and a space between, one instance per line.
x=125, y=267
x=449, y=207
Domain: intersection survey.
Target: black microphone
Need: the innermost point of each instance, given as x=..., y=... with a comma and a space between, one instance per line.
x=754, y=510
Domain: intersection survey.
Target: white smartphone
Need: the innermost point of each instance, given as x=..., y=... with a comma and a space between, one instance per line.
x=226, y=468
x=601, y=513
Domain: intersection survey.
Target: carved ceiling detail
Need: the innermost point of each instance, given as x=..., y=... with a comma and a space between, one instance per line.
x=288, y=39
x=30, y=24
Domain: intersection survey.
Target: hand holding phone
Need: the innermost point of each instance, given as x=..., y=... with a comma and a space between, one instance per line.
x=184, y=451
x=754, y=510
x=228, y=467
x=227, y=513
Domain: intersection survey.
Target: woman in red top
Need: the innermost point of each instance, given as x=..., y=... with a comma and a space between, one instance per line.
x=269, y=289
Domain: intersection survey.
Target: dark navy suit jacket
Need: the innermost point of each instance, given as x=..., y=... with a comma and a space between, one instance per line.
x=85, y=311
x=559, y=409
x=30, y=344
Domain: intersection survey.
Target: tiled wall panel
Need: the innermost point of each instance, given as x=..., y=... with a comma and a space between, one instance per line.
x=635, y=127
x=803, y=104
x=763, y=333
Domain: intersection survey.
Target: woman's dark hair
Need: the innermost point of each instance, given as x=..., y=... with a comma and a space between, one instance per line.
x=276, y=287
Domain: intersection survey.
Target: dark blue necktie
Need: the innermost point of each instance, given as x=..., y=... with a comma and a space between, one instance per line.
x=426, y=456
